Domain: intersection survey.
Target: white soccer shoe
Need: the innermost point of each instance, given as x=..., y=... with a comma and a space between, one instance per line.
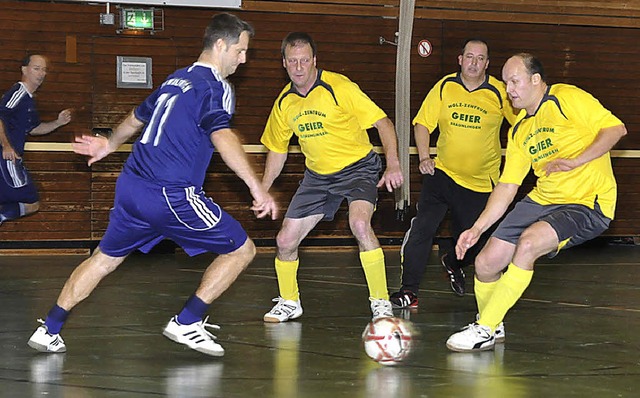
x=194, y=336
x=43, y=341
x=283, y=311
x=381, y=308
x=471, y=338
x=500, y=333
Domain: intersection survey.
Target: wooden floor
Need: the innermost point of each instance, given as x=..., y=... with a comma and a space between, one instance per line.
x=575, y=333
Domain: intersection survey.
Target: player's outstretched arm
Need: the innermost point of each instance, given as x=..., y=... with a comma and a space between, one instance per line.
x=230, y=149
x=466, y=240
x=64, y=117
x=272, y=168
x=498, y=203
x=97, y=147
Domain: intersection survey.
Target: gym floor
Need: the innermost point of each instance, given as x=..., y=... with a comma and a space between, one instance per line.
x=574, y=332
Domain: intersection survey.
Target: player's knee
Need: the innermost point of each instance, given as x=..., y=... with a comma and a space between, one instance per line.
x=249, y=249
x=482, y=264
x=529, y=244
x=245, y=253
x=361, y=229
x=105, y=263
x=30, y=208
x=286, y=242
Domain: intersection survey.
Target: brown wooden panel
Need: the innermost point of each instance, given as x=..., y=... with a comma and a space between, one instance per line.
x=588, y=43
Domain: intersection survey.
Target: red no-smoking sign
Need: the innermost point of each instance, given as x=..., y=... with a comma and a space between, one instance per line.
x=424, y=48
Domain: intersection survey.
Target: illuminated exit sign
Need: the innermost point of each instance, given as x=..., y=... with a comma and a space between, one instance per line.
x=137, y=18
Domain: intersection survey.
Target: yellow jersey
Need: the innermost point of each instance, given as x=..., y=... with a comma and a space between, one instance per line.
x=330, y=122
x=468, y=148
x=566, y=122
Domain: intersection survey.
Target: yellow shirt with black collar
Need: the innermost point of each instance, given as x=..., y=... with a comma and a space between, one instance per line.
x=566, y=122
x=468, y=148
x=331, y=123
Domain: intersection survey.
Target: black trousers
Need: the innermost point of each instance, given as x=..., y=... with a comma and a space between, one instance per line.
x=438, y=195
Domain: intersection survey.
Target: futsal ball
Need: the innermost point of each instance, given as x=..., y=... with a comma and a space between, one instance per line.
x=388, y=341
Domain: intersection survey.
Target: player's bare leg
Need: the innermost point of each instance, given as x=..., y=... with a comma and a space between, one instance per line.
x=86, y=277
x=189, y=327
x=371, y=257
x=287, y=304
x=81, y=283
x=224, y=270
x=293, y=231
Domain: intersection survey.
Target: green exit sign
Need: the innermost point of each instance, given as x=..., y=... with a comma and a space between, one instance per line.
x=138, y=18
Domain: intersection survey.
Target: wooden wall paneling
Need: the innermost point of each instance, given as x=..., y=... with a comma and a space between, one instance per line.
x=359, y=8
x=585, y=12
x=599, y=59
x=64, y=201
x=351, y=48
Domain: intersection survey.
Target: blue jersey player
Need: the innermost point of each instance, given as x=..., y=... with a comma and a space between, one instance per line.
x=19, y=118
x=159, y=192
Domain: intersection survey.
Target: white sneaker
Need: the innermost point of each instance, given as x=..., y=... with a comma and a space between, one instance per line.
x=381, y=308
x=283, y=310
x=499, y=333
x=472, y=338
x=194, y=336
x=43, y=341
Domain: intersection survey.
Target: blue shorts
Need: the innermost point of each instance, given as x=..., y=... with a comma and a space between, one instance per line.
x=16, y=184
x=144, y=214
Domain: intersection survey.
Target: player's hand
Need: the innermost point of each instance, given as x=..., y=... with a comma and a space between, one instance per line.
x=264, y=205
x=64, y=117
x=427, y=166
x=392, y=178
x=560, y=164
x=467, y=239
x=8, y=153
x=94, y=146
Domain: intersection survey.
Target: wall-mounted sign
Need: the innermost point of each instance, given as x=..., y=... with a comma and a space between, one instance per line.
x=425, y=48
x=134, y=72
x=137, y=18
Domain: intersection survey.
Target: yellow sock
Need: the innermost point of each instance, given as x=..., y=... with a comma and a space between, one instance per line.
x=506, y=293
x=483, y=291
x=287, y=272
x=375, y=273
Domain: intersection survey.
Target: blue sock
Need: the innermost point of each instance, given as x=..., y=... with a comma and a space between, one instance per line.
x=55, y=319
x=193, y=311
x=9, y=211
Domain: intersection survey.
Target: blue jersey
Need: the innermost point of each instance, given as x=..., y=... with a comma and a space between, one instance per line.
x=19, y=115
x=175, y=148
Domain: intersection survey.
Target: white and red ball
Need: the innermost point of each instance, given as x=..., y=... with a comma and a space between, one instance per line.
x=388, y=341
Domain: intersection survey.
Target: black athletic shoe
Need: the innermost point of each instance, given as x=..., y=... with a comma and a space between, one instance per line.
x=404, y=299
x=456, y=275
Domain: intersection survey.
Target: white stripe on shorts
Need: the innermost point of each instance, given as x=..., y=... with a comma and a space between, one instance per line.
x=200, y=208
x=18, y=178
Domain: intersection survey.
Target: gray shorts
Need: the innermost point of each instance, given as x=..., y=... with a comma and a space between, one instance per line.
x=575, y=224
x=323, y=194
